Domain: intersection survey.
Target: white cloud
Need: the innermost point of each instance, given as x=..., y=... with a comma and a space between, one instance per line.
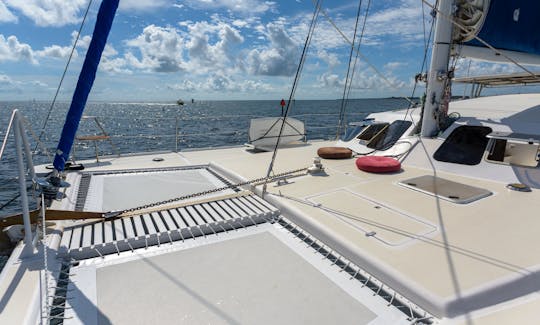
x=5, y=80
x=402, y=22
x=12, y=50
x=277, y=59
x=160, y=50
x=49, y=12
x=390, y=66
x=109, y=61
x=9, y=85
x=205, y=56
x=83, y=42
x=38, y=83
x=330, y=80
x=204, y=47
x=6, y=16
x=54, y=51
x=240, y=23
x=62, y=52
x=142, y=5
x=186, y=85
x=221, y=83
x=482, y=68
x=240, y=6
x=330, y=58
x=364, y=80
x=114, y=65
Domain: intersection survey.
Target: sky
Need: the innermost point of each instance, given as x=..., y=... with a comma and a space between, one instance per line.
x=163, y=50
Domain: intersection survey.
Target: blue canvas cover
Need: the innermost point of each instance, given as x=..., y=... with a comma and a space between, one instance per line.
x=87, y=76
x=512, y=26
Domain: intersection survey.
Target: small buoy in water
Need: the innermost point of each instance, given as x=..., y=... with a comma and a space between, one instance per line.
x=158, y=159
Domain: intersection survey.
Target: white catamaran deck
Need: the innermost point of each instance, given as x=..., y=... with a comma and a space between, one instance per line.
x=399, y=235
x=470, y=253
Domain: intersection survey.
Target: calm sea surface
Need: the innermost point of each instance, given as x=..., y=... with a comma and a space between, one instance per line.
x=136, y=127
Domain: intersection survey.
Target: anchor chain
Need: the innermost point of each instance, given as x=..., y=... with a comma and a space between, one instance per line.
x=113, y=214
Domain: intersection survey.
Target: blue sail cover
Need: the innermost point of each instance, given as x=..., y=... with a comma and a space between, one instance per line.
x=512, y=26
x=104, y=21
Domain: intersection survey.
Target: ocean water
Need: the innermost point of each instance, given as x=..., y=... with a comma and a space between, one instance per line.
x=136, y=127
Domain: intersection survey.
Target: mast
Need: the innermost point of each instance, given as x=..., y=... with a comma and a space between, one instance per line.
x=438, y=76
x=87, y=76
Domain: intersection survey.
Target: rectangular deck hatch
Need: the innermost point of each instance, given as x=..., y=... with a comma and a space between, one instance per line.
x=446, y=189
x=366, y=215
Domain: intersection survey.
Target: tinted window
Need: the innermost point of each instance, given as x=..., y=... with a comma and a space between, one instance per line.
x=371, y=131
x=351, y=132
x=465, y=145
x=390, y=135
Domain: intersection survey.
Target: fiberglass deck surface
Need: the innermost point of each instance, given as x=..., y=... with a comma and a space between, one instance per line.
x=474, y=250
x=446, y=257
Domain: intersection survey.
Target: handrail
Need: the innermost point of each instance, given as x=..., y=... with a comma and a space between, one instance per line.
x=21, y=142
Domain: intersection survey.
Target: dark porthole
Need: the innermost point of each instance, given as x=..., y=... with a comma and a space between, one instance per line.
x=465, y=145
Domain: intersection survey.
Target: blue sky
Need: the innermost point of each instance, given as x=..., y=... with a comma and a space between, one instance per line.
x=161, y=50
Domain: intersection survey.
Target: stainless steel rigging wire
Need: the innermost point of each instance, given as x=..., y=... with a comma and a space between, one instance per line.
x=359, y=44
x=348, y=81
x=42, y=132
x=382, y=76
x=293, y=90
x=424, y=59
